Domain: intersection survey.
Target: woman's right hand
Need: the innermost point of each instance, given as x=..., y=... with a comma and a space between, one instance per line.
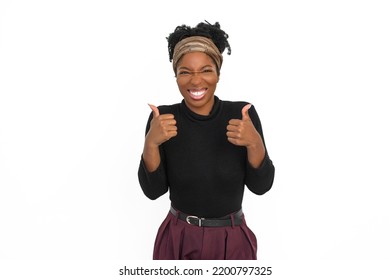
x=162, y=128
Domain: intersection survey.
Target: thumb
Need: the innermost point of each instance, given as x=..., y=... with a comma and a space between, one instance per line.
x=244, y=112
x=155, y=110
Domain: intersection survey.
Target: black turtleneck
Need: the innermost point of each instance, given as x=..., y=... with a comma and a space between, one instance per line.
x=204, y=172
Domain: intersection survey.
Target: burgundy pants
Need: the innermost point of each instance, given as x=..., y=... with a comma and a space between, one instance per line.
x=178, y=240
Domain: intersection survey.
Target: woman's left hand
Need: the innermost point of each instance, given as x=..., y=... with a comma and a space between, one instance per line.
x=243, y=133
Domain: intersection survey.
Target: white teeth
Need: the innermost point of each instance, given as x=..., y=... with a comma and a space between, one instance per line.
x=197, y=93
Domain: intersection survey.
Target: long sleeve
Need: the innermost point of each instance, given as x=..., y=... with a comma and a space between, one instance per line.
x=154, y=184
x=259, y=180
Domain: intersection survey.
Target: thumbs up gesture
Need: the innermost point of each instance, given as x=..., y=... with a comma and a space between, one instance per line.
x=162, y=127
x=243, y=132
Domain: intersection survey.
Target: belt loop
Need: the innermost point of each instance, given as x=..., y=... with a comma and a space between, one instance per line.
x=177, y=216
x=232, y=219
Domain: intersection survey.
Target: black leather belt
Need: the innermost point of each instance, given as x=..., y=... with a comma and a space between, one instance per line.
x=209, y=222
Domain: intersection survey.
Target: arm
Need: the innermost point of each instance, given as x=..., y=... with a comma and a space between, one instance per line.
x=154, y=184
x=248, y=132
x=151, y=172
x=259, y=179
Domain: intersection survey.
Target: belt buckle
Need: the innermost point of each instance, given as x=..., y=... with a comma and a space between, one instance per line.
x=194, y=217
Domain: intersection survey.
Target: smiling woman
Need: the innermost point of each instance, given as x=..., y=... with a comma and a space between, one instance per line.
x=204, y=151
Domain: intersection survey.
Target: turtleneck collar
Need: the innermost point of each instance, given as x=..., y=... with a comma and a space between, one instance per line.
x=194, y=116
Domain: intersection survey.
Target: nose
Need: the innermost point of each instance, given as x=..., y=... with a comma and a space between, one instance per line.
x=196, y=78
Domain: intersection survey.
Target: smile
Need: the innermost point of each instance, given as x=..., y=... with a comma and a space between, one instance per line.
x=197, y=93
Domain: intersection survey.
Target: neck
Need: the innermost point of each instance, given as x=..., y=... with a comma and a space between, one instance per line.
x=202, y=111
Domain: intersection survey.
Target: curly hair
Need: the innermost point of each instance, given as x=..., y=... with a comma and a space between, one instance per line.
x=211, y=31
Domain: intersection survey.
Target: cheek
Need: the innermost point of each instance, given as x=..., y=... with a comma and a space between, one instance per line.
x=213, y=81
x=181, y=85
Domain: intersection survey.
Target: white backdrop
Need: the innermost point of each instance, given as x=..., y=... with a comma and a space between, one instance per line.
x=75, y=80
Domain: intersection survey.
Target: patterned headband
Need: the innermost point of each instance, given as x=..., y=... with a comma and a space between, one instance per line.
x=196, y=44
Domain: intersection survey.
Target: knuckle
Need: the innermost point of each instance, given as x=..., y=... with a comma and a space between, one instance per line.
x=166, y=133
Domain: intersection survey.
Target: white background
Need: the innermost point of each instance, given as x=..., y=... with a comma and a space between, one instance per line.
x=75, y=80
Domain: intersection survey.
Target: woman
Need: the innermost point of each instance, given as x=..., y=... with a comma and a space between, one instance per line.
x=204, y=151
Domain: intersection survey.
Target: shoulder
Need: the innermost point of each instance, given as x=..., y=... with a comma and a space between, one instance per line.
x=164, y=109
x=169, y=109
x=233, y=107
x=234, y=104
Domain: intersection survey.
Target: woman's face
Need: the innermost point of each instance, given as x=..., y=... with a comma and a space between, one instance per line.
x=197, y=79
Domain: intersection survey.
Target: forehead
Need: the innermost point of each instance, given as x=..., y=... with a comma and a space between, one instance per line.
x=195, y=60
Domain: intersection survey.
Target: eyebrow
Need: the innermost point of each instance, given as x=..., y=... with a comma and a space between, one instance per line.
x=186, y=68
